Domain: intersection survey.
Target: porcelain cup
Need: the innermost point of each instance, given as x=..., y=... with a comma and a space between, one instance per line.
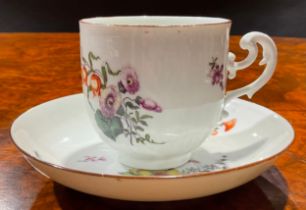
x=155, y=86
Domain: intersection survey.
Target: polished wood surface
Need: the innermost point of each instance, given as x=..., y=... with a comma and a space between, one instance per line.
x=37, y=67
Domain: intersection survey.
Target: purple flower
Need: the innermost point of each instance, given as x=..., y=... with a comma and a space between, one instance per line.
x=129, y=81
x=217, y=75
x=148, y=104
x=109, y=101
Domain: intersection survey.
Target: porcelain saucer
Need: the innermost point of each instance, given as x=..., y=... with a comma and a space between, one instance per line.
x=58, y=140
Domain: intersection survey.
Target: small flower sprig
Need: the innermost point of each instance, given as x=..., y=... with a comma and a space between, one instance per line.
x=220, y=164
x=118, y=109
x=216, y=73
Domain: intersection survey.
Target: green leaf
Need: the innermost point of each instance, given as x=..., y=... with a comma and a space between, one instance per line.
x=84, y=60
x=111, y=127
x=146, y=116
x=103, y=124
x=121, y=111
x=143, y=122
x=139, y=128
x=116, y=127
x=104, y=77
x=139, y=139
x=148, y=139
x=88, y=100
x=131, y=105
x=110, y=71
x=137, y=115
x=91, y=57
x=134, y=120
x=88, y=91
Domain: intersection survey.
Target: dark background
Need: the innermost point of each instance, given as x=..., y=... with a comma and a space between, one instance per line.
x=275, y=17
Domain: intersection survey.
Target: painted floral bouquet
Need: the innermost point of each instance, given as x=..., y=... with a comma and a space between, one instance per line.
x=118, y=103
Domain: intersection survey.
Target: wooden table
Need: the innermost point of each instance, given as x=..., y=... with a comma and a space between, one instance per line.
x=37, y=67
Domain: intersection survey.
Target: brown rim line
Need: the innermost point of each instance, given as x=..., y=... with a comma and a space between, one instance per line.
x=85, y=21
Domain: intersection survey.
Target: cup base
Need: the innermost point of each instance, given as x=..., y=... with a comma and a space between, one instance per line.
x=153, y=164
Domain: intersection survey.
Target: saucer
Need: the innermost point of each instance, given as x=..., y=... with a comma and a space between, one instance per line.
x=57, y=139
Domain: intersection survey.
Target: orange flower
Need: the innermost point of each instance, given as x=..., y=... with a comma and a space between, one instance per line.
x=95, y=84
x=228, y=125
x=84, y=75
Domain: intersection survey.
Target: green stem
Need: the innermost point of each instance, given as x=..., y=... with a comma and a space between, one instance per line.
x=110, y=71
x=130, y=128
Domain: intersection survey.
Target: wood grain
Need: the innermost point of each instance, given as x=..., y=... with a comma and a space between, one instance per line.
x=37, y=67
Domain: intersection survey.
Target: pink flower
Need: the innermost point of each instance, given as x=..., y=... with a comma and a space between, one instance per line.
x=129, y=81
x=148, y=104
x=217, y=76
x=110, y=101
x=216, y=73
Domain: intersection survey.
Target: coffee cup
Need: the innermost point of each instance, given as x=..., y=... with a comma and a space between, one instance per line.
x=155, y=86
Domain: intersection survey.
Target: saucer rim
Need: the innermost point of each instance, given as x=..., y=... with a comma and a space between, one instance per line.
x=159, y=177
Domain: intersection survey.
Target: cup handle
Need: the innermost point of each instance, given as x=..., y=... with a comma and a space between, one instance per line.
x=249, y=42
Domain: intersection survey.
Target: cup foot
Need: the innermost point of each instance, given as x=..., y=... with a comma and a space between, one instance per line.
x=153, y=164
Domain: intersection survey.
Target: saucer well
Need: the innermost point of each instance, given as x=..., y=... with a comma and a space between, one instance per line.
x=57, y=139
